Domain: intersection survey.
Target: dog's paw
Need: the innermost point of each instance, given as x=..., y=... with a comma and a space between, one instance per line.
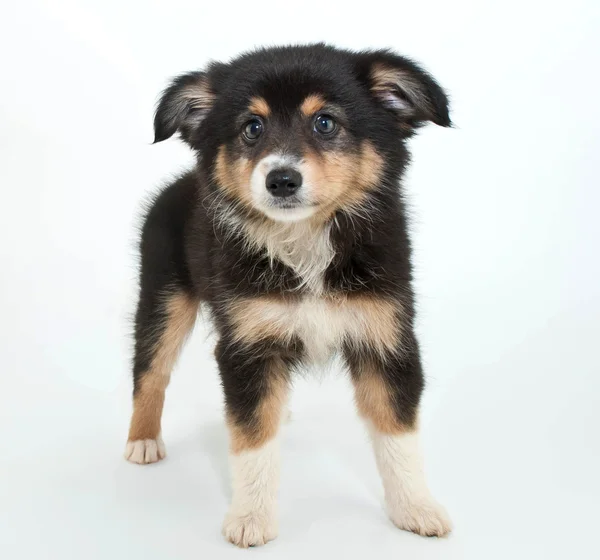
x=253, y=529
x=425, y=517
x=144, y=451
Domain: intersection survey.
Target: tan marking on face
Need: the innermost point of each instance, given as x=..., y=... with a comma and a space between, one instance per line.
x=258, y=106
x=340, y=180
x=233, y=175
x=312, y=104
x=150, y=395
x=323, y=324
x=263, y=426
x=374, y=399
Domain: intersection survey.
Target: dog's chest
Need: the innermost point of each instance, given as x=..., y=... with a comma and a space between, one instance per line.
x=306, y=249
x=323, y=324
x=320, y=325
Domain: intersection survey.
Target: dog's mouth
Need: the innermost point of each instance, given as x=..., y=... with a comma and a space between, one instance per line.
x=289, y=209
x=289, y=203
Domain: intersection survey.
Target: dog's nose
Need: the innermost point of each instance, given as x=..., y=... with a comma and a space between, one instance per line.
x=283, y=182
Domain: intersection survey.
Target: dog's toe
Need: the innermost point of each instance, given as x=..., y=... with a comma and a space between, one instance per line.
x=253, y=529
x=145, y=451
x=426, y=518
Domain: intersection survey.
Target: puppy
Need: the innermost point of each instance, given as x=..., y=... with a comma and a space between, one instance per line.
x=291, y=229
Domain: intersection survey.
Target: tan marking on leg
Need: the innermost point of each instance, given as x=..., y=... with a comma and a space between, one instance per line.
x=148, y=406
x=258, y=106
x=182, y=311
x=150, y=394
x=255, y=432
x=254, y=461
x=374, y=399
x=312, y=104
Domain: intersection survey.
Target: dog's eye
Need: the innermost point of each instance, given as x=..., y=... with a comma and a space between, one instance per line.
x=253, y=129
x=325, y=124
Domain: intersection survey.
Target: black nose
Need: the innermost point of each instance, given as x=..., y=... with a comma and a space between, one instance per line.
x=283, y=182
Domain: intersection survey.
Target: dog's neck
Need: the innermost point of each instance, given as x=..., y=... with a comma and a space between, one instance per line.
x=308, y=247
x=304, y=246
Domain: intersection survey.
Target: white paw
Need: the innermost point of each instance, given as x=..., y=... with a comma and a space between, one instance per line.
x=425, y=517
x=253, y=529
x=144, y=451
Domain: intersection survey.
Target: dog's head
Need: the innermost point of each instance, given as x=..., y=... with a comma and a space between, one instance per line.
x=296, y=132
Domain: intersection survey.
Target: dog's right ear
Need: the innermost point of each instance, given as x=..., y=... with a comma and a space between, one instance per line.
x=183, y=106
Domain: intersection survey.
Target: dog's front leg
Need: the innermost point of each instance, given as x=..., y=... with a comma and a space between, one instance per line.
x=388, y=390
x=255, y=381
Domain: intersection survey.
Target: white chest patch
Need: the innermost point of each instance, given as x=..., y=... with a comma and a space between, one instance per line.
x=321, y=328
x=304, y=247
x=323, y=322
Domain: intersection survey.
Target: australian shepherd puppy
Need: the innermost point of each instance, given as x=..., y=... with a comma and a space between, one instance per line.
x=292, y=230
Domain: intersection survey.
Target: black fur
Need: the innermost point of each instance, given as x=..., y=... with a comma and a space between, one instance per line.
x=187, y=247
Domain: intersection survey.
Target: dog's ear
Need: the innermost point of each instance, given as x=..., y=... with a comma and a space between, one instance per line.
x=183, y=106
x=404, y=88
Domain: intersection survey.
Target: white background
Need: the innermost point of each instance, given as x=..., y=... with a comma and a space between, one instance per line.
x=506, y=230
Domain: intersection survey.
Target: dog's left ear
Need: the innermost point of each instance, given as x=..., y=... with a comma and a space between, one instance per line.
x=404, y=88
x=183, y=106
